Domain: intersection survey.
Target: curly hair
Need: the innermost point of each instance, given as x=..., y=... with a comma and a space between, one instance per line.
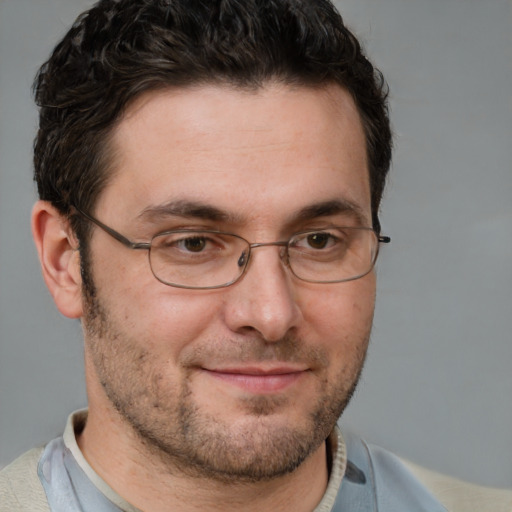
x=120, y=49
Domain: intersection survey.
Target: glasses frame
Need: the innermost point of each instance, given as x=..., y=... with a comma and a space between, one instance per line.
x=381, y=239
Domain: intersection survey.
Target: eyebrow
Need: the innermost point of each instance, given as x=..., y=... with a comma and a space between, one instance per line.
x=332, y=207
x=204, y=211
x=185, y=208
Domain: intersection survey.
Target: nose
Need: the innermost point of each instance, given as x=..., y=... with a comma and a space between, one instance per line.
x=265, y=299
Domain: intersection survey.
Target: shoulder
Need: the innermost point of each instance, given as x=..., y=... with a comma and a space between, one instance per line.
x=389, y=483
x=457, y=495
x=20, y=487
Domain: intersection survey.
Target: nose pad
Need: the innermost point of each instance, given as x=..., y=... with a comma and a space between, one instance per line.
x=283, y=253
x=284, y=256
x=243, y=259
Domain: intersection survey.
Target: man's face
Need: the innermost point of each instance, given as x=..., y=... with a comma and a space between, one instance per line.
x=248, y=380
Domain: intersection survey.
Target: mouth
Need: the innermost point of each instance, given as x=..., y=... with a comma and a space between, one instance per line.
x=259, y=380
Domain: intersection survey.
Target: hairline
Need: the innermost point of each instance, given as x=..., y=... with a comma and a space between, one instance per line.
x=109, y=152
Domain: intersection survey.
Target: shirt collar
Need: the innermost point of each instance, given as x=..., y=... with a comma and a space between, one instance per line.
x=336, y=450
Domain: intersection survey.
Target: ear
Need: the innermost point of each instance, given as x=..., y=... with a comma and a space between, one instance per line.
x=59, y=256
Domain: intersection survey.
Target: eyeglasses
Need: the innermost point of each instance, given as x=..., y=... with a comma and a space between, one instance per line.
x=207, y=259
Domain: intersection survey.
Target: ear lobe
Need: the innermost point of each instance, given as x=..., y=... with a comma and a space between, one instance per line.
x=59, y=256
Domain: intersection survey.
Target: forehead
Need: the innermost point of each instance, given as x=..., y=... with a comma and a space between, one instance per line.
x=244, y=152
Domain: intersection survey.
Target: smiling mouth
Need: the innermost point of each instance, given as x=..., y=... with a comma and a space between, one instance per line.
x=258, y=380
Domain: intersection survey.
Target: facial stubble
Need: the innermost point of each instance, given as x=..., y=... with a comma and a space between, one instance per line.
x=172, y=427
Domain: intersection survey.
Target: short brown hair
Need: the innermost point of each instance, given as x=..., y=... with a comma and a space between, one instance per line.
x=121, y=48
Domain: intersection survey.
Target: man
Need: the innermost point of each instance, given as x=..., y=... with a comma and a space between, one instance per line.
x=210, y=177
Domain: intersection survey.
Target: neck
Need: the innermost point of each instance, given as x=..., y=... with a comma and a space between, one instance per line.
x=151, y=483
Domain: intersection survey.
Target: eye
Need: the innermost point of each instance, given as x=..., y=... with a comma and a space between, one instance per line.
x=316, y=241
x=193, y=244
x=330, y=242
x=319, y=240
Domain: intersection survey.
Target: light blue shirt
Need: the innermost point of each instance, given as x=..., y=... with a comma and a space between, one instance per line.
x=373, y=480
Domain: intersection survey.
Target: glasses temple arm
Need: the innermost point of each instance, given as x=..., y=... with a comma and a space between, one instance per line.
x=112, y=232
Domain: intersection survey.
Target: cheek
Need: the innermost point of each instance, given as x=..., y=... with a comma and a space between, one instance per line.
x=340, y=316
x=171, y=318
x=162, y=317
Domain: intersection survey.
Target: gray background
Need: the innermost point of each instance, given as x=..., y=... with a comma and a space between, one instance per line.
x=437, y=388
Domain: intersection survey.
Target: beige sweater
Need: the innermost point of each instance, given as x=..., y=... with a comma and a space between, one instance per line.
x=21, y=489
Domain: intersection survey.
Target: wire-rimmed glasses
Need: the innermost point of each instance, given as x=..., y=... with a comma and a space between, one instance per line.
x=207, y=259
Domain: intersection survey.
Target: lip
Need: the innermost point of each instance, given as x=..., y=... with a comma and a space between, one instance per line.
x=258, y=380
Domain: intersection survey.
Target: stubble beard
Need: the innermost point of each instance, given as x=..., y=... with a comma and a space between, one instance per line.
x=173, y=429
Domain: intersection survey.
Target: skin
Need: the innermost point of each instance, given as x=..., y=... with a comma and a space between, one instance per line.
x=219, y=399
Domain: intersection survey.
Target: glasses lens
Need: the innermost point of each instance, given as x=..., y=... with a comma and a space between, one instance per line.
x=333, y=255
x=211, y=259
x=198, y=259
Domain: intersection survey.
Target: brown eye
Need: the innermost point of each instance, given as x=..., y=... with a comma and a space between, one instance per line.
x=195, y=244
x=318, y=240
